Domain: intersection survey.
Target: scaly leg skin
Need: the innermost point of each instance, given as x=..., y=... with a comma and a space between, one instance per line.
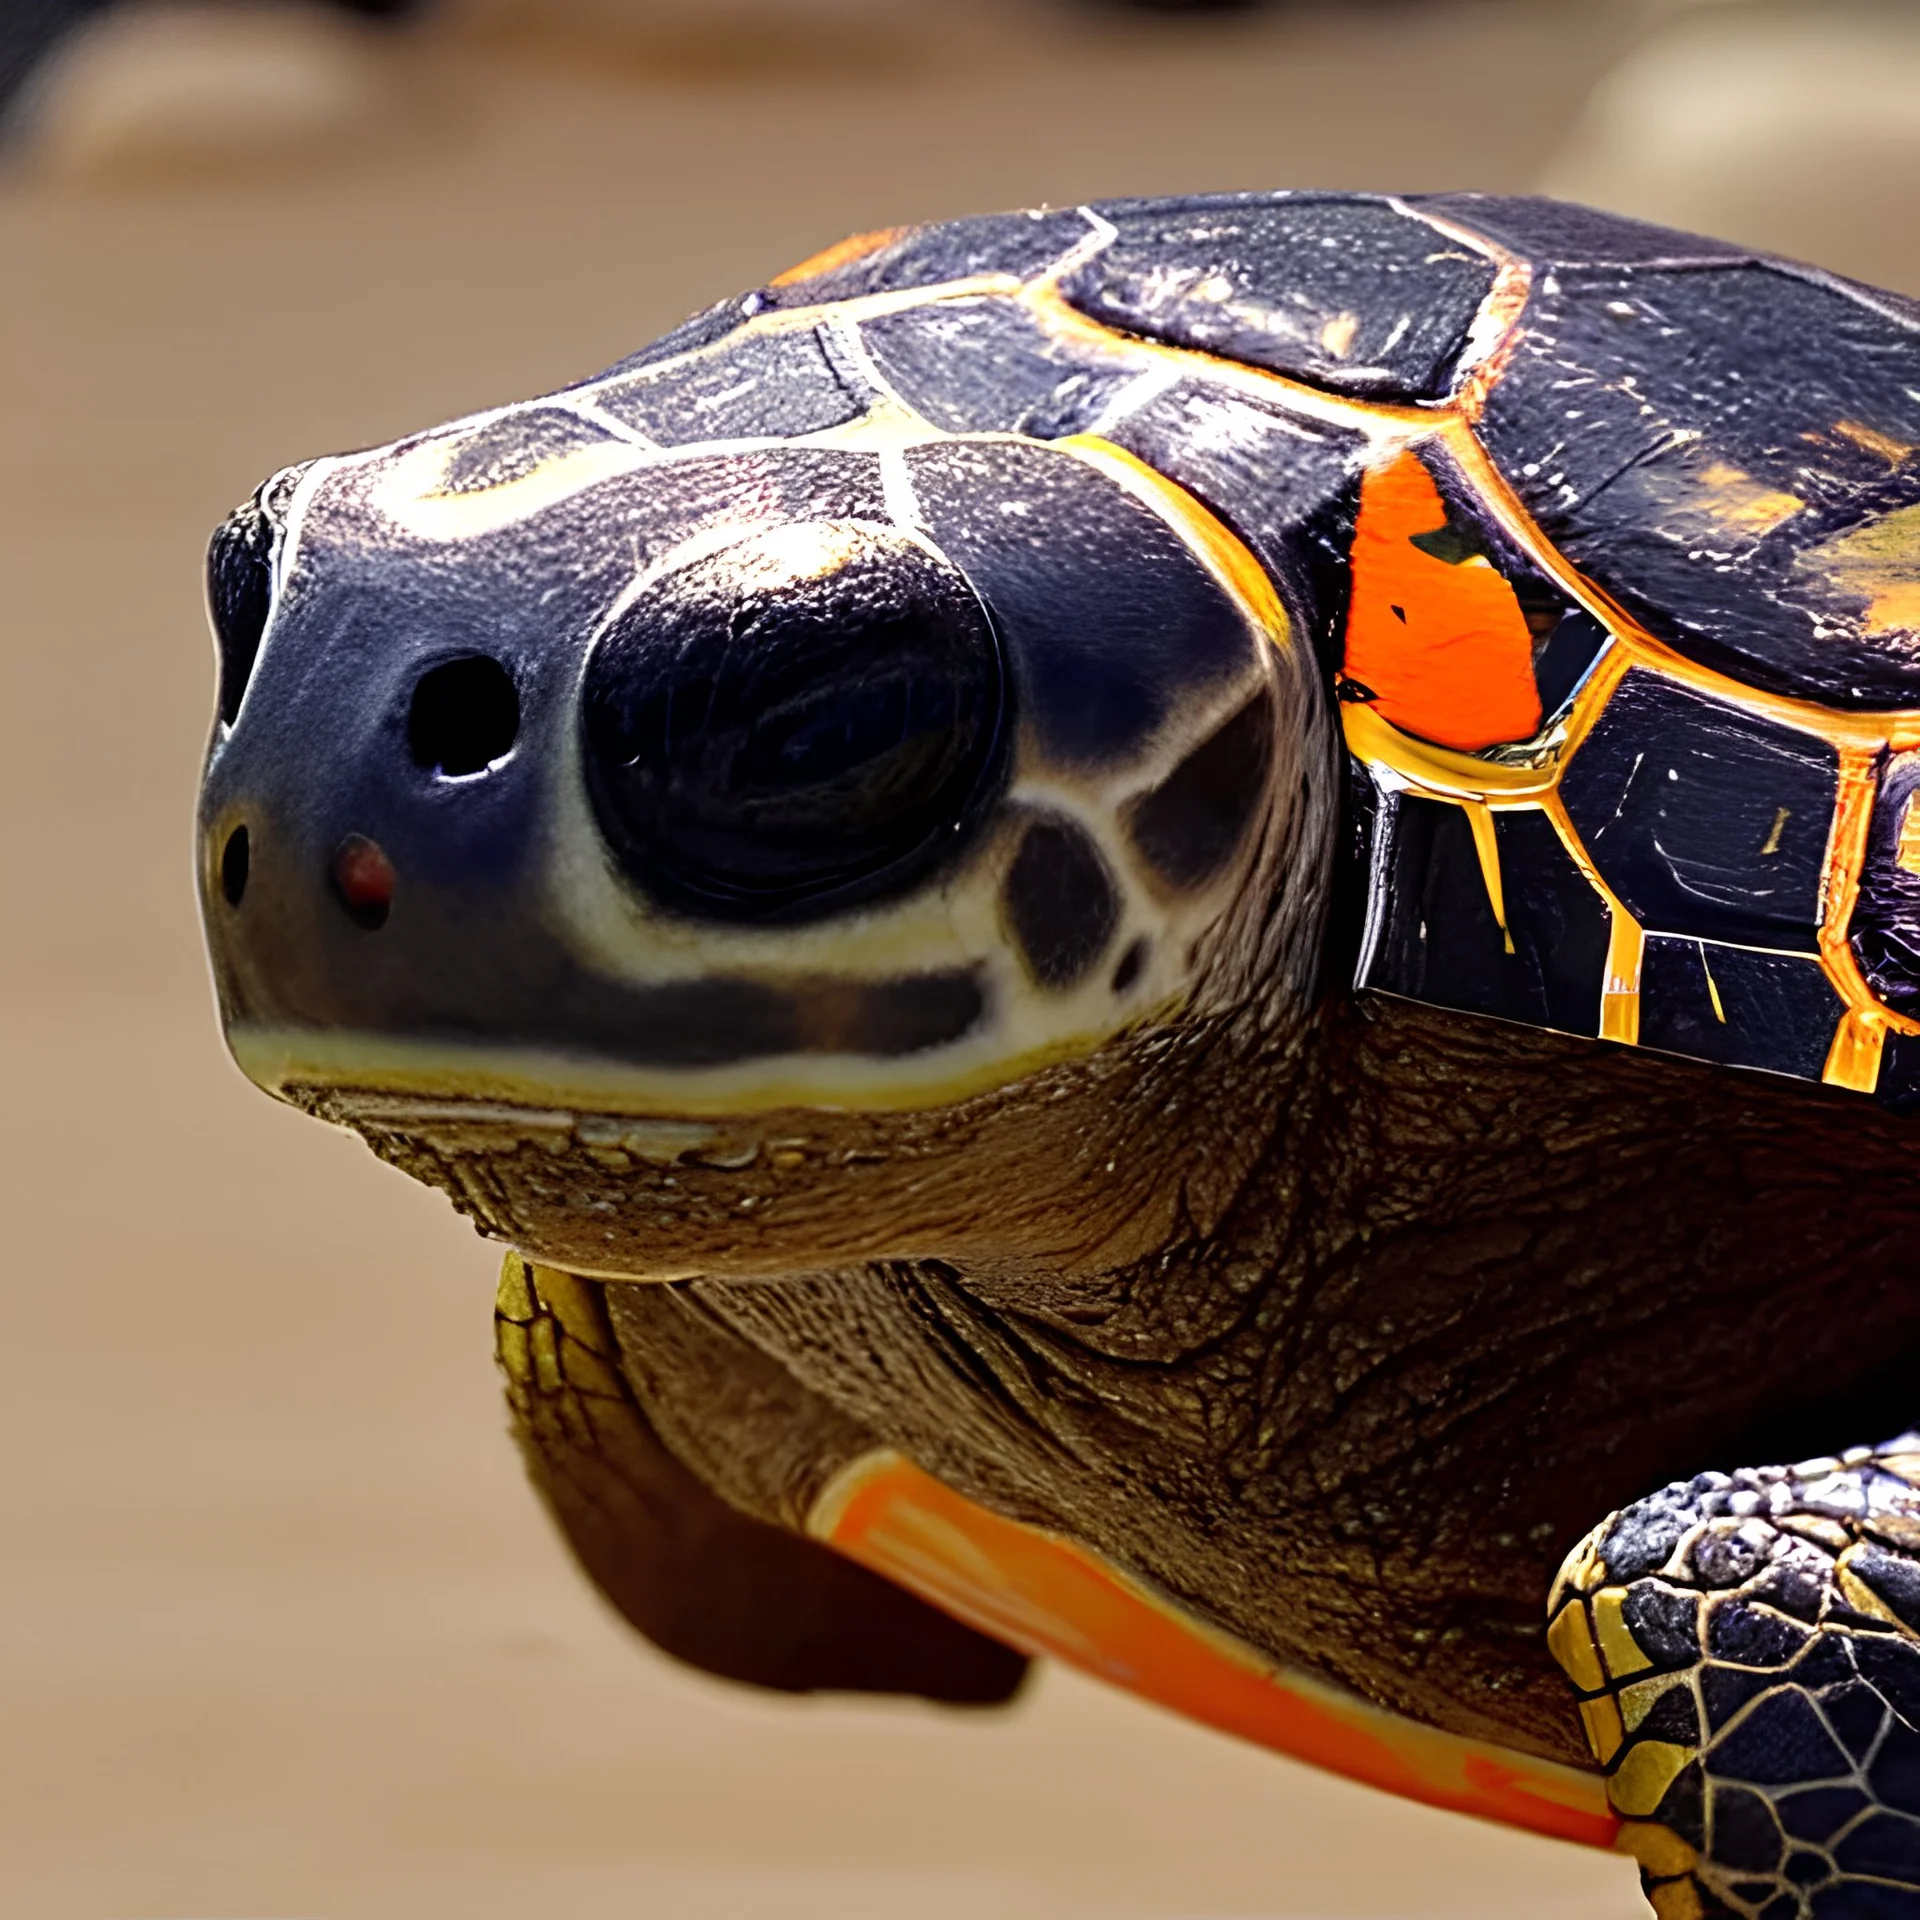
x=1747, y=1651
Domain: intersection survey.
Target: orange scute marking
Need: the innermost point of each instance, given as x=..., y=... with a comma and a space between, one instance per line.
x=842, y=253
x=1444, y=649
x=1046, y=1595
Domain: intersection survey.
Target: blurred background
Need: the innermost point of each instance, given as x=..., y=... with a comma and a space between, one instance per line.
x=281, y=1630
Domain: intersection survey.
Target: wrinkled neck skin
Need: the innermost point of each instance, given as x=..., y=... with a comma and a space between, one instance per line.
x=1477, y=1286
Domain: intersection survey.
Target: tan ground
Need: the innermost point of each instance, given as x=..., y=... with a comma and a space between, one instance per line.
x=281, y=1631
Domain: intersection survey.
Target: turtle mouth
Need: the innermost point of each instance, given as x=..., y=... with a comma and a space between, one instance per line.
x=546, y=1090
x=617, y=1189
x=645, y=1196
x=607, y=1194
x=615, y=1141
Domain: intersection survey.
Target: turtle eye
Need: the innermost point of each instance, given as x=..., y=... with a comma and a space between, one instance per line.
x=798, y=722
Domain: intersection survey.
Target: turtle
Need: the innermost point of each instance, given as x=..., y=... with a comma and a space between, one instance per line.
x=1183, y=933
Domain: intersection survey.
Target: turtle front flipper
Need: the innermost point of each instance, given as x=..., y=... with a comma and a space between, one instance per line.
x=704, y=1581
x=1747, y=1651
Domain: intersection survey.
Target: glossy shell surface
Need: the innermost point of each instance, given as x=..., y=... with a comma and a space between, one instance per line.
x=1610, y=535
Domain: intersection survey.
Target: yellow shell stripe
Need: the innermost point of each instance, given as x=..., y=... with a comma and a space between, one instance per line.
x=1853, y=1059
x=1483, y=786
x=1224, y=554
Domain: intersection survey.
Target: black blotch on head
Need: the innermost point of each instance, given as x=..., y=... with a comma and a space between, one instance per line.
x=779, y=731
x=1193, y=6
x=723, y=1021
x=1060, y=901
x=464, y=716
x=1188, y=827
x=239, y=596
x=1131, y=963
x=235, y=858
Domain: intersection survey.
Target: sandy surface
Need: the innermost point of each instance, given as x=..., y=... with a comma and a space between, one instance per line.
x=281, y=1630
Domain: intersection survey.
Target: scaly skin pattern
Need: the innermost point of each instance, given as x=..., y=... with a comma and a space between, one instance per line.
x=1747, y=1651
x=1359, y=1421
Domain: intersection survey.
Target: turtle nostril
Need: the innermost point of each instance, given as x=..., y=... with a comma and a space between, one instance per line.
x=234, y=860
x=465, y=715
x=363, y=877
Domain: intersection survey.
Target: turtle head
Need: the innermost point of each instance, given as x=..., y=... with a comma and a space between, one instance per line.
x=751, y=860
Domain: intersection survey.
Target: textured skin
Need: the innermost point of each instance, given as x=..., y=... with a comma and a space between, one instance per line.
x=1094, y=1164
x=1747, y=1648
x=699, y=1578
x=1479, y=1283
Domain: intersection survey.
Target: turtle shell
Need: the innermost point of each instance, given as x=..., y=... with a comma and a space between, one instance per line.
x=1607, y=539
x=1610, y=537
x=1601, y=543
